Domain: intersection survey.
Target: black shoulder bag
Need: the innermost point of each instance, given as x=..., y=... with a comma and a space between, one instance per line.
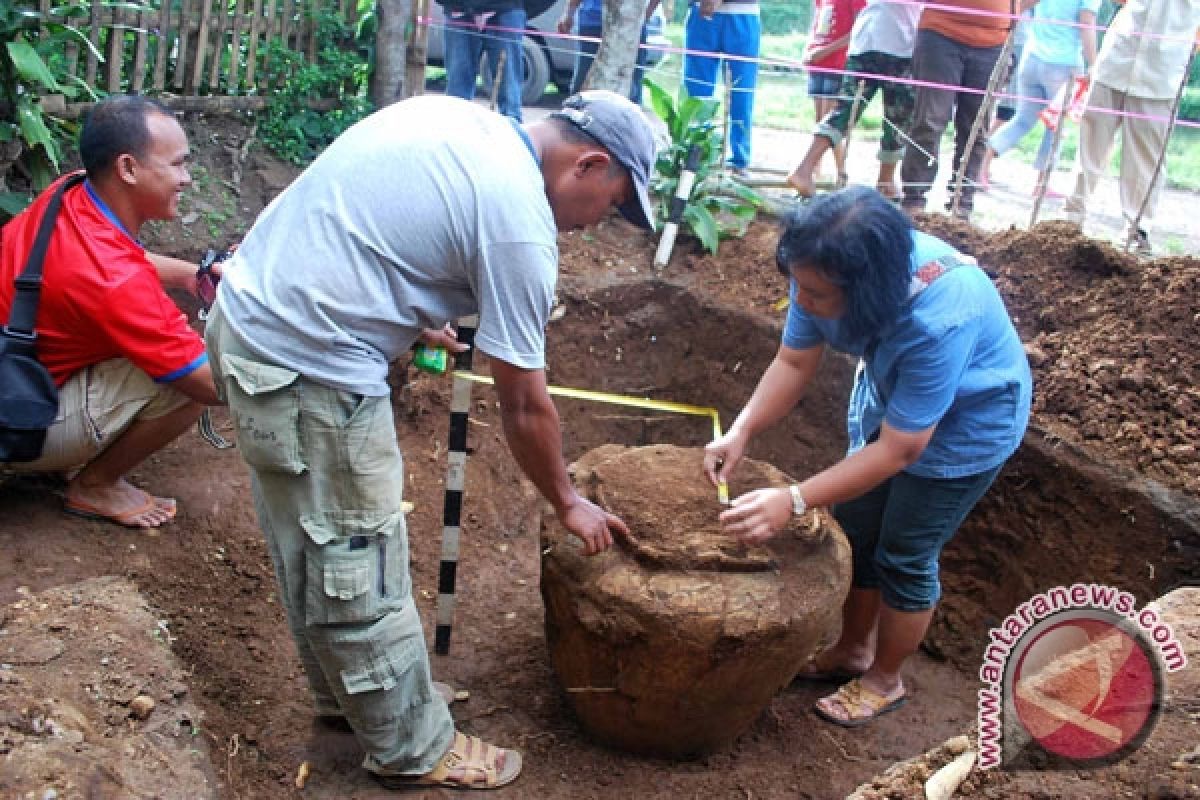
x=28, y=396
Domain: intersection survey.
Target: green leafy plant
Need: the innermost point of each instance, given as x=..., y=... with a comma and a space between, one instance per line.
x=717, y=207
x=295, y=127
x=32, y=67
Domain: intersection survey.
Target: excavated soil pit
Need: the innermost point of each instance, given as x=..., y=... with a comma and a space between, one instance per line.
x=1057, y=515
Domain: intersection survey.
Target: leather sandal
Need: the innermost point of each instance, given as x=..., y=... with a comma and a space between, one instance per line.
x=470, y=763
x=859, y=704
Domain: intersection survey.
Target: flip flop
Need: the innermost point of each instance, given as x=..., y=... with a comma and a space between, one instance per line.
x=854, y=697
x=129, y=519
x=470, y=763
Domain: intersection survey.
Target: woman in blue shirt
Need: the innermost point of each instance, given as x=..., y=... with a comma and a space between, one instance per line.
x=940, y=401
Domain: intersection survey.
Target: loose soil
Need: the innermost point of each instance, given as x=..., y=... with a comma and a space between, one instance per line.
x=1104, y=488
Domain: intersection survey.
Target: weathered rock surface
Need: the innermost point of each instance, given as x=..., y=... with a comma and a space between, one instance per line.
x=672, y=643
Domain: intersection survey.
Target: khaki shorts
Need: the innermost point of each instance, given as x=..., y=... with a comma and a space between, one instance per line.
x=95, y=406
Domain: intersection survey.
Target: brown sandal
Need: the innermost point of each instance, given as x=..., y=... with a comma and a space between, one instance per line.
x=470, y=763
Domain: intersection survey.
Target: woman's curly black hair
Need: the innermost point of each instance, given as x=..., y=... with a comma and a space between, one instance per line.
x=859, y=241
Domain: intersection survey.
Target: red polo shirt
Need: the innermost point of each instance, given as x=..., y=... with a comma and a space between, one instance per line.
x=101, y=297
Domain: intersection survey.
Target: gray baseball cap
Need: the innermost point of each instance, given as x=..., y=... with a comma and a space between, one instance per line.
x=621, y=127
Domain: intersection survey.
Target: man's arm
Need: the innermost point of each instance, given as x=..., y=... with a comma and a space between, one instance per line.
x=174, y=273
x=1087, y=37
x=531, y=428
x=199, y=386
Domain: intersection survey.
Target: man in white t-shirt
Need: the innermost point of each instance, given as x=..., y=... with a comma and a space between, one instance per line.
x=426, y=211
x=1137, y=73
x=881, y=43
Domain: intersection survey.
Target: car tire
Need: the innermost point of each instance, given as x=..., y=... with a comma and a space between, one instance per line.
x=537, y=72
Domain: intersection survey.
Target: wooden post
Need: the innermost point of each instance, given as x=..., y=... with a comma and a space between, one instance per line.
x=220, y=23
x=252, y=45
x=94, y=37
x=999, y=75
x=138, y=79
x=116, y=49
x=201, y=46
x=179, y=73
x=162, y=48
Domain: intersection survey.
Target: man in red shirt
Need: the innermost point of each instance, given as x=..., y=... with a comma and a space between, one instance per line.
x=132, y=375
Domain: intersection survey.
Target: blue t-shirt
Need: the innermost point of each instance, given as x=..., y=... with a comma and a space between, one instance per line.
x=952, y=359
x=1054, y=43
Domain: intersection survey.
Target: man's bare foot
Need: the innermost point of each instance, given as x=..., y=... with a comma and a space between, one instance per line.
x=802, y=182
x=122, y=503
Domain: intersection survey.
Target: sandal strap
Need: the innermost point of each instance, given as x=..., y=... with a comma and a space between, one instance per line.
x=474, y=758
x=854, y=696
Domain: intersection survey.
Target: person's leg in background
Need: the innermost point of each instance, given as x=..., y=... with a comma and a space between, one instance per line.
x=1142, y=141
x=1097, y=131
x=898, y=100
x=741, y=37
x=831, y=129
x=585, y=55
x=824, y=89
x=936, y=59
x=463, y=46
x=977, y=63
x=700, y=72
x=503, y=34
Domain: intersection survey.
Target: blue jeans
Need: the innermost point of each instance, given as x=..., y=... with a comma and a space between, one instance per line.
x=465, y=44
x=898, y=529
x=735, y=35
x=1037, y=84
x=586, y=54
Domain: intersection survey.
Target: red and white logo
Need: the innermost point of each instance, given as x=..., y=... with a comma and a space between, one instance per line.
x=1085, y=685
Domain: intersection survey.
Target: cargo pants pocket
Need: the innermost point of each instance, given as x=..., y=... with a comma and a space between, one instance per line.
x=265, y=401
x=356, y=566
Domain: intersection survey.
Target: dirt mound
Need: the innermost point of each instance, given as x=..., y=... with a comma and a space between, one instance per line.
x=92, y=702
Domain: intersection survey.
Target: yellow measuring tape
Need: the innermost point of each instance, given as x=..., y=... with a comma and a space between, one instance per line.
x=626, y=400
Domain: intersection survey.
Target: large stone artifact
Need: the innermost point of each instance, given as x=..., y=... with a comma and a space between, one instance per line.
x=673, y=642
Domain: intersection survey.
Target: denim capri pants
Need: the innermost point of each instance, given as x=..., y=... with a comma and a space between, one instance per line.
x=824, y=84
x=898, y=529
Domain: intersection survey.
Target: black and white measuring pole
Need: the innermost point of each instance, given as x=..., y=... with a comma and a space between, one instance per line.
x=456, y=472
x=683, y=192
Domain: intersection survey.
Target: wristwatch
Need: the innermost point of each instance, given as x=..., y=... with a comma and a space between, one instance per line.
x=798, y=504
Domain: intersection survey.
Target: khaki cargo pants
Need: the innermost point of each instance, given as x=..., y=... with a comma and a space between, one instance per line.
x=328, y=480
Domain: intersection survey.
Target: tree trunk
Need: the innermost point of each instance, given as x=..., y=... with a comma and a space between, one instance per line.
x=391, y=48
x=613, y=67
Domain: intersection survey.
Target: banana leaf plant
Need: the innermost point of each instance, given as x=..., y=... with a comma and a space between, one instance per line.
x=717, y=207
x=32, y=67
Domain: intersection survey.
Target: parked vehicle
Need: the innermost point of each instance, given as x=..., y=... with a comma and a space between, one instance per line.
x=548, y=59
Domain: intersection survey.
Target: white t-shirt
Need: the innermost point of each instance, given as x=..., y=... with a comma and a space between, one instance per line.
x=885, y=27
x=427, y=210
x=1148, y=66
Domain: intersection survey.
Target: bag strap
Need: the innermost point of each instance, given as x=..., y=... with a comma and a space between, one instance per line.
x=23, y=314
